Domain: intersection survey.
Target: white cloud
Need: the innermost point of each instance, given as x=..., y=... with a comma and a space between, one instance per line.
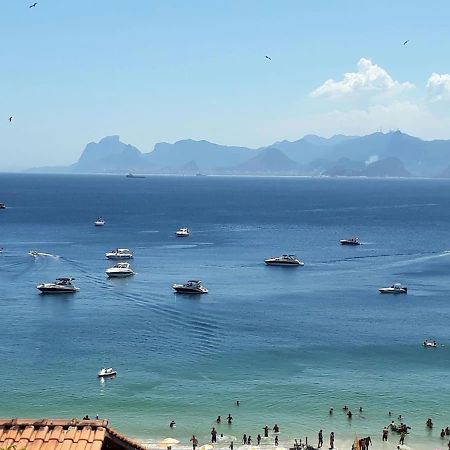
x=438, y=87
x=369, y=79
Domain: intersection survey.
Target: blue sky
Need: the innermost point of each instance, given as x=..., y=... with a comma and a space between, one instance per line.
x=151, y=71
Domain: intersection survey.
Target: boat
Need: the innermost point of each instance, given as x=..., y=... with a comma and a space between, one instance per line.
x=120, y=270
x=132, y=175
x=351, y=241
x=35, y=254
x=191, y=287
x=2, y=206
x=60, y=286
x=396, y=288
x=107, y=372
x=182, y=232
x=119, y=253
x=430, y=343
x=99, y=222
x=284, y=260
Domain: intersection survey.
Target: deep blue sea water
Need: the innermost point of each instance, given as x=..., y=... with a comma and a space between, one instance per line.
x=289, y=343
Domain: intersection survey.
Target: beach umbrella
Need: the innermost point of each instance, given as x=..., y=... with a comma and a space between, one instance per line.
x=168, y=442
x=206, y=447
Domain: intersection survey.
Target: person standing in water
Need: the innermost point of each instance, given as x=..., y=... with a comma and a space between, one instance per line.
x=213, y=435
x=244, y=439
x=276, y=441
x=194, y=441
x=266, y=431
x=332, y=439
x=229, y=419
x=258, y=439
x=276, y=428
x=231, y=445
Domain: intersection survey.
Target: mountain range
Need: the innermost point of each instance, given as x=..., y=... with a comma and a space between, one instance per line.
x=393, y=154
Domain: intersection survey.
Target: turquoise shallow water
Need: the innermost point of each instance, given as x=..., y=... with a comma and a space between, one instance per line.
x=288, y=343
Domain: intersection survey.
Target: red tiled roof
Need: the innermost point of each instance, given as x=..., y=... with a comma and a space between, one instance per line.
x=49, y=434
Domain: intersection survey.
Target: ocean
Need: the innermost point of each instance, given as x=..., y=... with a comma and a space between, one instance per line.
x=288, y=343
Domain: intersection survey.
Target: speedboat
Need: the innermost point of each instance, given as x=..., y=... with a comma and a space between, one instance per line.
x=182, y=232
x=35, y=254
x=396, y=288
x=107, y=372
x=430, y=343
x=351, y=241
x=284, y=260
x=2, y=206
x=191, y=287
x=119, y=253
x=99, y=222
x=120, y=270
x=60, y=286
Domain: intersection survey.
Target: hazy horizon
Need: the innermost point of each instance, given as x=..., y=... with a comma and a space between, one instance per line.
x=159, y=72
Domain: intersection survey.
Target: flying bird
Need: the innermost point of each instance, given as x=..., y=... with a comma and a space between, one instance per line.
x=33, y=5
x=404, y=43
x=269, y=58
x=10, y=119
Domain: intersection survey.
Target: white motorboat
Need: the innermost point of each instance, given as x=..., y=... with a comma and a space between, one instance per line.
x=60, y=286
x=284, y=260
x=107, y=372
x=119, y=253
x=191, y=287
x=182, y=232
x=120, y=270
x=99, y=222
x=351, y=241
x=396, y=288
x=35, y=254
x=430, y=343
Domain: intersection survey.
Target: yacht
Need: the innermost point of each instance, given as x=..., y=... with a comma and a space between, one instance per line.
x=351, y=241
x=284, y=260
x=99, y=222
x=60, y=286
x=191, y=287
x=182, y=232
x=120, y=270
x=107, y=372
x=396, y=288
x=119, y=253
x=132, y=175
x=430, y=343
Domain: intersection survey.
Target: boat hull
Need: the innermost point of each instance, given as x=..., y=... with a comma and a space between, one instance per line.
x=49, y=290
x=286, y=264
x=344, y=242
x=119, y=274
x=393, y=291
x=114, y=256
x=181, y=290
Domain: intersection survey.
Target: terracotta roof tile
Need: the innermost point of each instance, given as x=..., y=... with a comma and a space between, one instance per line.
x=58, y=434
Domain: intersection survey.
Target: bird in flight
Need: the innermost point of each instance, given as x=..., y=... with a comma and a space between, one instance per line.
x=33, y=5
x=10, y=119
x=404, y=43
x=269, y=58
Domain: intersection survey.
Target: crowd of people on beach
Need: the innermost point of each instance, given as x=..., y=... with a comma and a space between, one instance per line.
x=359, y=444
